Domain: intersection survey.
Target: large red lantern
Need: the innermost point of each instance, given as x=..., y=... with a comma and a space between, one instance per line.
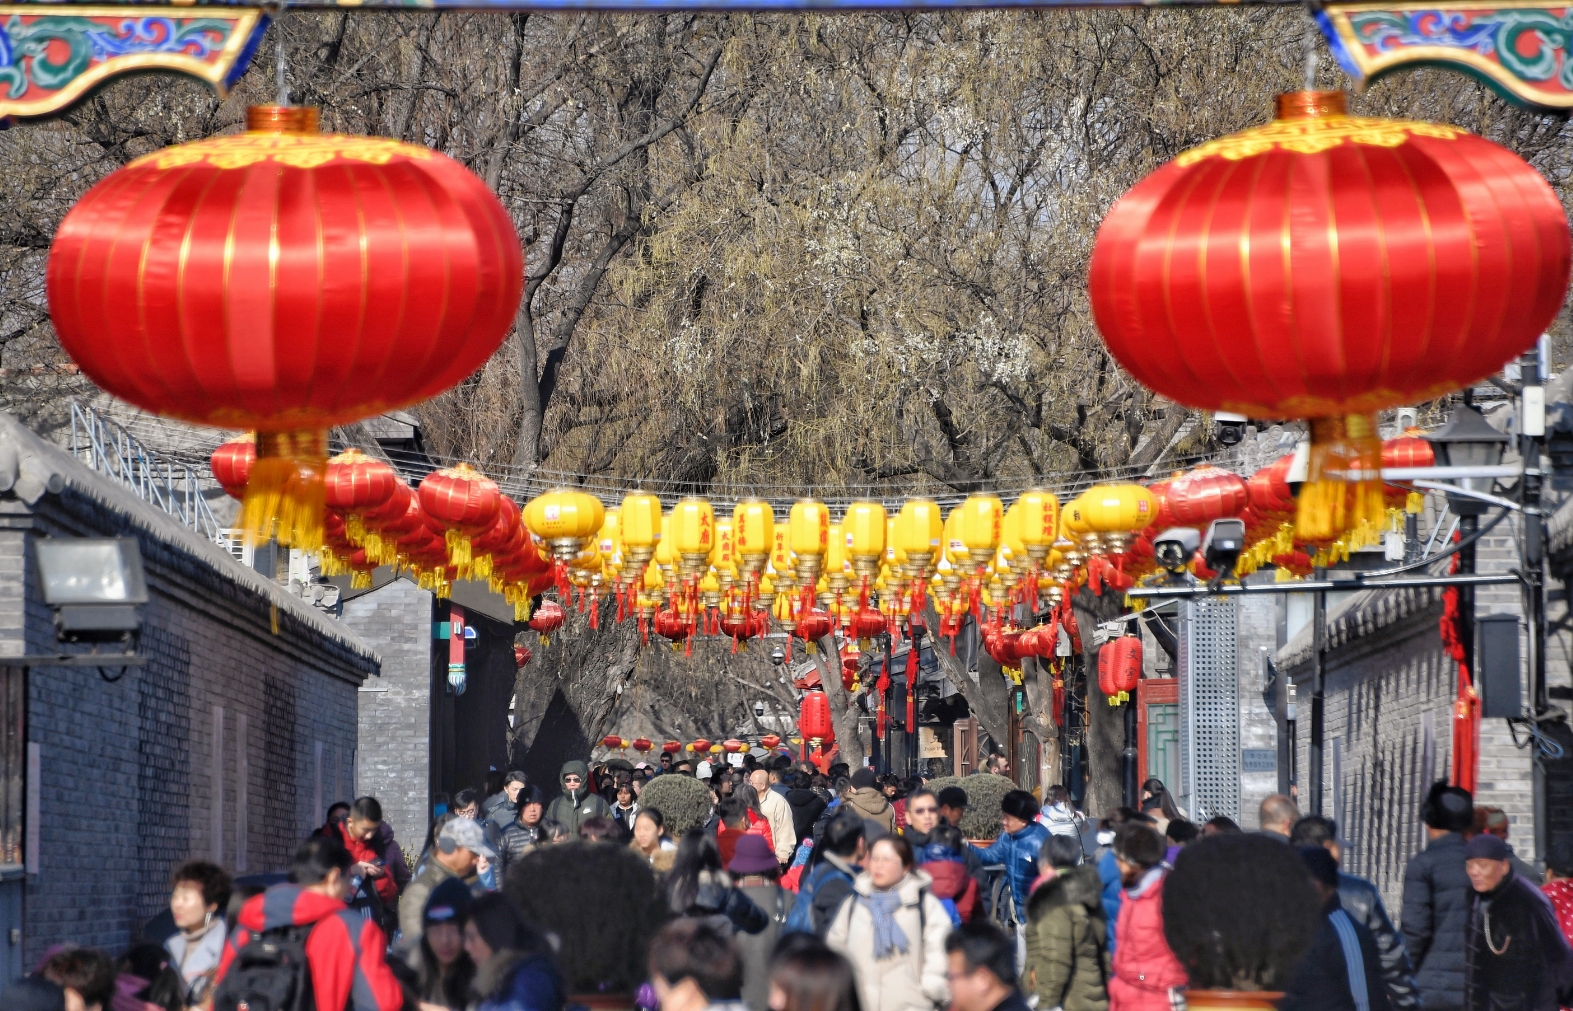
x=813, y=625
x=356, y=485
x=813, y=718
x=671, y=747
x=231, y=464
x=1208, y=493
x=1405, y=451
x=1326, y=266
x=547, y=619
x=463, y=503
x=284, y=281
x=1120, y=668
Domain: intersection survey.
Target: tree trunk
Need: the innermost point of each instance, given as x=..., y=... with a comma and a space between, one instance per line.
x=843, y=714
x=1037, y=678
x=988, y=699
x=1105, y=723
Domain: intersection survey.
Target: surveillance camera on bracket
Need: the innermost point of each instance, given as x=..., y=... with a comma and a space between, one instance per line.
x=1229, y=428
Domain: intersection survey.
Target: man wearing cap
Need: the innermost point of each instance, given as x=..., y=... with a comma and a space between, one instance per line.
x=757, y=875
x=458, y=849
x=1436, y=899
x=1018, y=848
x=1515, y=957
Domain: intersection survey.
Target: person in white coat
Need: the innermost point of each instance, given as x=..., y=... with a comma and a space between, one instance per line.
x=893, y=929
x=779, y=813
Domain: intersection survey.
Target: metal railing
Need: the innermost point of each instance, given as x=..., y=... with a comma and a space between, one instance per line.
x=109, y=449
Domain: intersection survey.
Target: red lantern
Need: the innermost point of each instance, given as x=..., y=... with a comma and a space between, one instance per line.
x=521, y=656
x=1269, y=488
x=642, y=744
x=232, y=462
x=286, y=282
x=851, y=666
x=464, y=502
x=547, y=619
x=744, y=626
x=731, y=745
x=814, y=624
x=671, y=747
x=357, y=484
x=813, y=718
x=1327, y=267
x=700, y=746
x=1205, y=494
x=770, y=741
x=1120, y=668
x=612, y=741
x=1404, y=451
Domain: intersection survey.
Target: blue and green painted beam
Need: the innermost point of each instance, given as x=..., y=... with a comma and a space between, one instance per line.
x=51, y=55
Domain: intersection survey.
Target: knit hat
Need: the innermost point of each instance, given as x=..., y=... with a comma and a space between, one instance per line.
x=863, y=778
x=753, y=856
x=1020, y=804
x=1485, y=846
x=449, y=902
x=1449, y=808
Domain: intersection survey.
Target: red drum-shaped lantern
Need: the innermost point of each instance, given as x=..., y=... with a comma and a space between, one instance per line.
x=1205, y=494
x=521, y=655
x=814, y=624
x=813, y=718
x=464, y=502
x=231, y=464
x=731, y=745
x=1404, y=451
x=700, y=746
x=642, y=744
x=611, y=741
x=547, y=619
x=1326, y=266
x=284, y=281
x=770, y=741
x=357, y=484
x=1120, y=668
x=671, y=747
x=1269, y=488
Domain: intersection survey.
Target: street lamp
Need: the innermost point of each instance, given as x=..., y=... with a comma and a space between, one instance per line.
x=1468, y=440
x=95, y=585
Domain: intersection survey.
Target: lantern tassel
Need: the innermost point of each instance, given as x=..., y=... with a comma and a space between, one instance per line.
x=1343, y=488
x=285, y=495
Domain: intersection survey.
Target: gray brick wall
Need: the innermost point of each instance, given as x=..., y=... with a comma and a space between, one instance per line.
x=394, y=764
x=133, y=780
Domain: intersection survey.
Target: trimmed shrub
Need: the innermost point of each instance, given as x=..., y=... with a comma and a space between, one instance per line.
x=683, y=801
x=984, y=793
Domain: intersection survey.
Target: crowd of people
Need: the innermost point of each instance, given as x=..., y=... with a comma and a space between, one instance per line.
x=805, y=890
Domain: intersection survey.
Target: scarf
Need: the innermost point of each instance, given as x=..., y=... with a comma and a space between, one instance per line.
x=888, y=938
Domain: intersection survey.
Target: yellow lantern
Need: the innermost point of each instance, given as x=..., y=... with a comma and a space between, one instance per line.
x=652, y=581
x=765, y=593
x=836, y=559
x=921, y=532
x=610, y=537
x=723, y=553
x=1010, y=531
x=895, y=554
x=710, y=588
x=665, y=554
x=1040, y=522
x=982, y=517
x=953, y=548
x=693, y=534
x=639, y=524
x=753, y=528
x=565, y=519
x=864, y=529
x=1113, y=512
x=781, y=558
x=809, y=526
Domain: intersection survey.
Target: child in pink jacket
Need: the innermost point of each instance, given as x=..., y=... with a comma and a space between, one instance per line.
x=1145, y=970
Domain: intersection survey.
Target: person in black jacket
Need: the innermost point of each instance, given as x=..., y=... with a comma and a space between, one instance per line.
x=806, y=805
x=1515, y=957
x=1339, y=972
x=1363, y=903
x=1436, y=899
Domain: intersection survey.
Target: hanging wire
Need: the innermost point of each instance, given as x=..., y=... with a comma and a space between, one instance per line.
x=278, y=54
x=1310, y=58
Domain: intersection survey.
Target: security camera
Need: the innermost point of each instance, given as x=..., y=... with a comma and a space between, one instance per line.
x=777, y=655
x=1174, y=548
x=759, y=710
x=1222, y=546
x=1229, y=427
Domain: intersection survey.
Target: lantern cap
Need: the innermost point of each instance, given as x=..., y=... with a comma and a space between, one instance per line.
x=1312, y=104
x=299, y=119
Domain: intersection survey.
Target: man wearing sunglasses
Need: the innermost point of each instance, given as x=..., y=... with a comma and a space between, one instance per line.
x=577, y=801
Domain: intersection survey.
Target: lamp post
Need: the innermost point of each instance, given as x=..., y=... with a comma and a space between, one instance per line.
x=1468, y=440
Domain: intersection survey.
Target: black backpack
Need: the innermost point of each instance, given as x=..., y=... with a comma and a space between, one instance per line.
x=269, y=973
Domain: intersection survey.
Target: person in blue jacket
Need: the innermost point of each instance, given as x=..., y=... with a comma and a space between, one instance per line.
x=1018, y=848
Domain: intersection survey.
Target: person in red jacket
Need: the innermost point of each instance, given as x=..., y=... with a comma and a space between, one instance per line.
x=344, y=950
x=359, y=834
x=1145, y=970
x=944, y=860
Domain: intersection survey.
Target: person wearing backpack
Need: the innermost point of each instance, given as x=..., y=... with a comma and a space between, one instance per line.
x=1068, y=963
x=757, y=875
x=892, y=929
x=943, y=861
x=301, y=935
x=827, y=881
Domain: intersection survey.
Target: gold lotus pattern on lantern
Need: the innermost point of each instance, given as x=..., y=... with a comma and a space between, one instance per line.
x=296, y=151
x=1311, y=136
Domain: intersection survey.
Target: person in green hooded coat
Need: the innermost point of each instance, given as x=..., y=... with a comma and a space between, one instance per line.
x=1067, y=952
x=578, y=801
